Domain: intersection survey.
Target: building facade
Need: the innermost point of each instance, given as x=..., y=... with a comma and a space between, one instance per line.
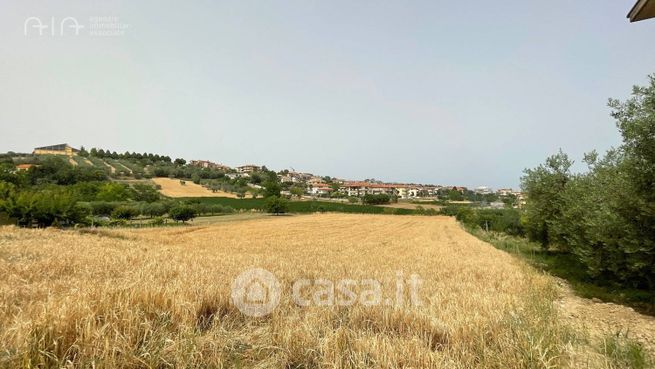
x=61, y=149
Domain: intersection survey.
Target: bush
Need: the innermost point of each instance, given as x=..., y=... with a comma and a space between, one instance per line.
x=158, y=221
x=376, y=199
x=117, y=223
x=353, y=199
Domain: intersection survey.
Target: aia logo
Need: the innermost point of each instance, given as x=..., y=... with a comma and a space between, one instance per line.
x=67, y=26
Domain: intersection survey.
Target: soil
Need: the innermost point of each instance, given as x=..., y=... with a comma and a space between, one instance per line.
x=601, y=319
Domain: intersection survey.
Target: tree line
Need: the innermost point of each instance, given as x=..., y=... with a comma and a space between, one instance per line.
x=605, y=216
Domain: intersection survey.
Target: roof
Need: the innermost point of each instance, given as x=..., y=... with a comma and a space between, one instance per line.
x=643, y=9
x=59, y=147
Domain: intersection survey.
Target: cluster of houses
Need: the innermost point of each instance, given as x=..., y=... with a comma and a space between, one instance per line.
x=316, y=185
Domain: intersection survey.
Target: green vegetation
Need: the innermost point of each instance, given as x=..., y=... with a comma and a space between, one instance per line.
x=566, y=266
x=604, y=217
x=276, y=205
x=56, y=193
x=625, y=352
x=595, y=229
x=497, y=220
x=379, y=199
x=303, y=206
x=183, y=213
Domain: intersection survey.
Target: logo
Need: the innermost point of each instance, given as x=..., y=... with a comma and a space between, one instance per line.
x=256, y=292
x=97, y=26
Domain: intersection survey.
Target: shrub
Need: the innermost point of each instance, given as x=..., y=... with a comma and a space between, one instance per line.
x=353, y=199
x=158, y=221
x=376, y=199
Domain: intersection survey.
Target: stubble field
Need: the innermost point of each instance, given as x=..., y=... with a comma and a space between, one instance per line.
x=174, y=188
x=161, y=298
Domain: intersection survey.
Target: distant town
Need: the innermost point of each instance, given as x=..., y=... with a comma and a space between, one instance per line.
x=294, y=182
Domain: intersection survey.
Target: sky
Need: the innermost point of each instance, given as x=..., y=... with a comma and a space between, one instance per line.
x=443, y=92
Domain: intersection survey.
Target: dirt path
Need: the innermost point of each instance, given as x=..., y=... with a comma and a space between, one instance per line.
x=601, y=319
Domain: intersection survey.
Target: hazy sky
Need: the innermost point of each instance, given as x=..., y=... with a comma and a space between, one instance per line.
x=444, y=92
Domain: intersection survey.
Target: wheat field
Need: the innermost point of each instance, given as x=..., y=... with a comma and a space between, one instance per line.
x=173, y=188
x=158, y=298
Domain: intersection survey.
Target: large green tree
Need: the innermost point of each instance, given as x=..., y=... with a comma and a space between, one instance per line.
x=544, y=187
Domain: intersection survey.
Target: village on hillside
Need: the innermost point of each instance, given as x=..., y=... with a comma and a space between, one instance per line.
x=311, y=185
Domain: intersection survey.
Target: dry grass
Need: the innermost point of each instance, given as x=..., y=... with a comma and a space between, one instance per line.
x=173, y=188
x=161, y=298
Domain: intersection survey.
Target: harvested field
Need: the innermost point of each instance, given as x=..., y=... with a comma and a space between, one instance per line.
x=161, y=298
x=173, y=188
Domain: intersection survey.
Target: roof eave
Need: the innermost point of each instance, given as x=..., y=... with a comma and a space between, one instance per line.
x=636, y=13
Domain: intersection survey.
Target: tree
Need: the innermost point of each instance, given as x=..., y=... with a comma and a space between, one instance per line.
x=455, y=195
x=144, y=192
x=297, y=191
x=154, y=209
x=83, y=153
x=605, y=216
x=182, y=213
x=179, y=161
x=272, y=188
x=112, y=191
x=276, y=205
x=125, y=212
x=544, y=187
